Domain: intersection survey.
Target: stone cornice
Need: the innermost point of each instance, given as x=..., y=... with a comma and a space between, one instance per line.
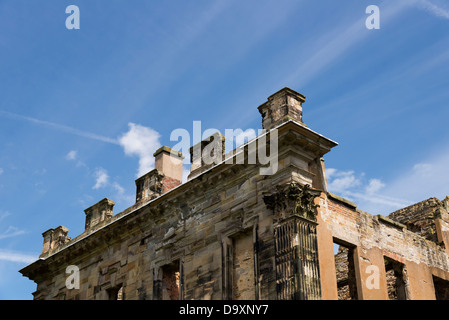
x=156, y=206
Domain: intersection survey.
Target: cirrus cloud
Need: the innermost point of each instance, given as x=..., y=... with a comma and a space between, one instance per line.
x=142, y=142
x=369, y=194
x=437, y=8
x=15, y=256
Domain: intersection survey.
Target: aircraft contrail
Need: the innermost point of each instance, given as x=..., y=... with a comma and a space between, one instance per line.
x=60, y=127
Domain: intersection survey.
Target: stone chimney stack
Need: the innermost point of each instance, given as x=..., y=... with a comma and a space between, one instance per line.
x=166, y=175
x=284, y=105
x=169, y=162
x=99, y=212
x=206, y=154
x=53, y=239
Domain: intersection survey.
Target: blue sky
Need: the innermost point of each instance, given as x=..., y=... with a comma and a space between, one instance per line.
x=82, y=111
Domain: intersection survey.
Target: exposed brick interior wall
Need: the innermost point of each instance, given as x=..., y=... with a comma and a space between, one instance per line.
x=169, y=183
x=419, y=218
x=170, y=282
x=404, y=240
x=344, y=267
x=343, y=210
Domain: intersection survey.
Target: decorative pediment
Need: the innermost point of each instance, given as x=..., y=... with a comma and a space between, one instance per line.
x=293, y=199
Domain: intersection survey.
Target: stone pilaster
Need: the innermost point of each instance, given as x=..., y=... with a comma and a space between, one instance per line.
x=296, y=249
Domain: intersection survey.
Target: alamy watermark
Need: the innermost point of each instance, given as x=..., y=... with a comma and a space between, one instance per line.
x=211, y=145
x=73, y=20
x=373, y=20
x=73, y=279
x=373, y=280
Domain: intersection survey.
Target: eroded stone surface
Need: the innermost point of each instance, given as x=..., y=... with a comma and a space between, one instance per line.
x=218, y=235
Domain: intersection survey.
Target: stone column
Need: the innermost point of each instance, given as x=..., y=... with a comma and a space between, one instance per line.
x=296, y=249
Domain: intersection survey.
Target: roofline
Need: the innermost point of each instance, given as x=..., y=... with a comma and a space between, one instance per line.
x=179, y=186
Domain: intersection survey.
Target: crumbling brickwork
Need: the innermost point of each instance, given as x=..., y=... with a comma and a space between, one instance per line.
x=231, y=232
x=420, y=217
x=345, y=272
x=379, y=239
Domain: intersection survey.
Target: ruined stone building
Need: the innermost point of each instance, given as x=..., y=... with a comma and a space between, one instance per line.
x=235, y=231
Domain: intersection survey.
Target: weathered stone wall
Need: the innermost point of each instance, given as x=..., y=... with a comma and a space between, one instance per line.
x=132, y=251
x=376, y=238
x=215, y=235
x=231, y=232
x=243, y=267
x=198, y=225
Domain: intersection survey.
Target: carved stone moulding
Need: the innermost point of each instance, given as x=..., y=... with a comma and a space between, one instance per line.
x=293, y=199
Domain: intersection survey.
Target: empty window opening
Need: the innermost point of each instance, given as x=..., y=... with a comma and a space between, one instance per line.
x=116, y=293
x=171, y=281
x=345, y=271
x=441, y=288
x=397, y=282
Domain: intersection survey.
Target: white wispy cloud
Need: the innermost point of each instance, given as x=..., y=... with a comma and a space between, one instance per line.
x=414, y=183
x=377, y=203
x=374, y=186
x=4, y=214
x=15, y=256
x=59, y=127
x=101, y=178
x=142, y=142
x=425, y=179
x=1, y=171
x=122, y=195
x=368, y=194
x=333, y=45
x=437, y=8
x=118, y=188
x=423, y=169
x=10, y=231
x=341, y=181
x=71, y=155
x=86, y=200
x=119, y=194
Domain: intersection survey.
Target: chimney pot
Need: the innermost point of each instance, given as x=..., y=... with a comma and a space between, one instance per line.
x=206, y=154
